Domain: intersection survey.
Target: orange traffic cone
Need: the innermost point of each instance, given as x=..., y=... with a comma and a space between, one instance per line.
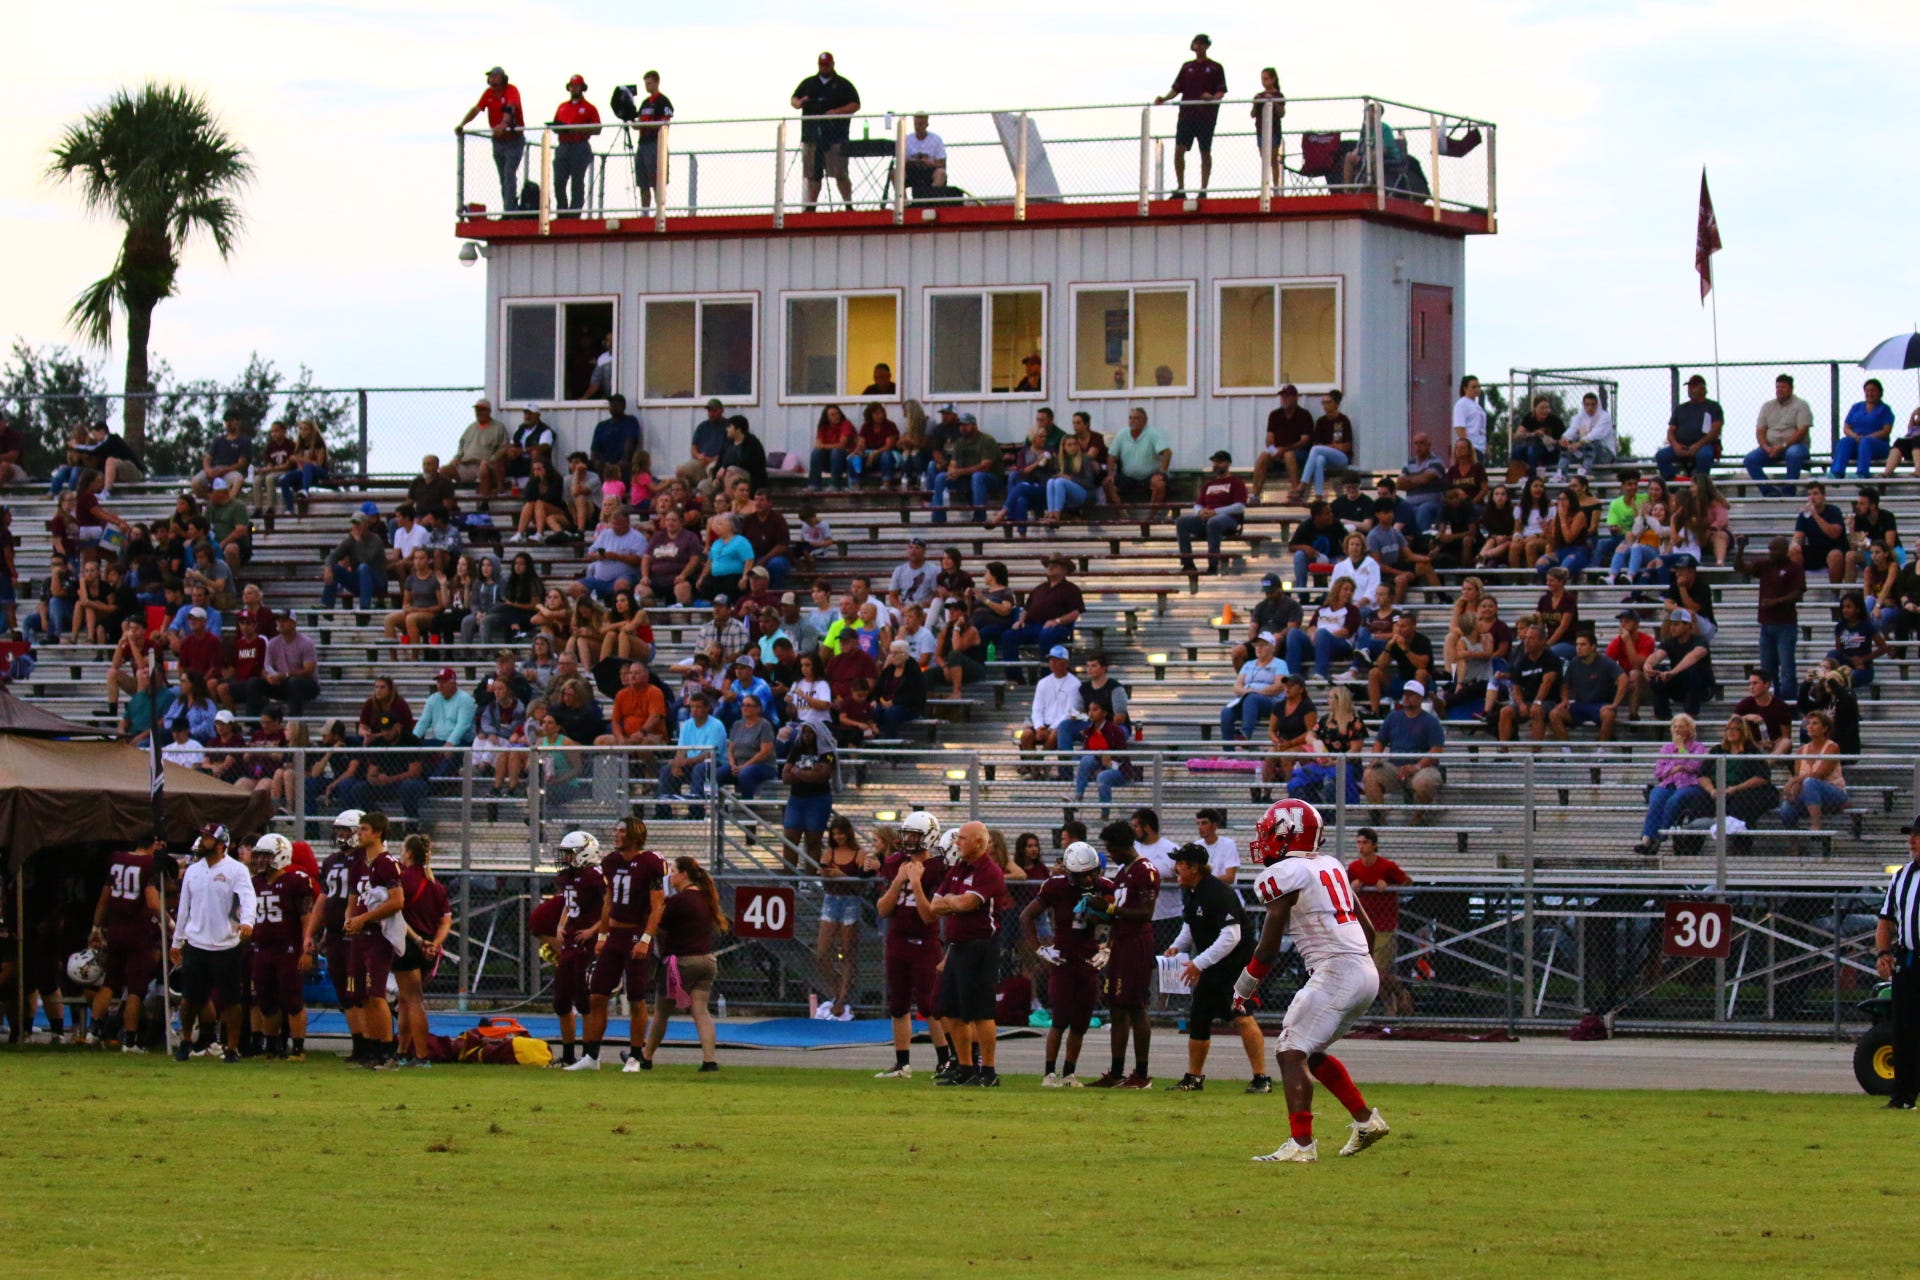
x=1226, y=616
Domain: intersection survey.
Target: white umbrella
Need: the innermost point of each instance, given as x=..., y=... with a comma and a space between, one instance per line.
x=1899, y=352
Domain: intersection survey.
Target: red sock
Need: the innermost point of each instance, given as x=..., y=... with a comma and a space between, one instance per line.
x=1301, y=1122
x=1333, y=1075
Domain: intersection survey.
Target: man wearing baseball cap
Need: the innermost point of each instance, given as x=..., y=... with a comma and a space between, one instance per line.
x=506, y=118
x=1679, y=667
x=214, y=917
x=1255, y=689
x=973, y=465
x=1289, y=438
x=446, y=719
x=579, y=120
x=1217, y=512
x=482, y=447
x=1407, y=749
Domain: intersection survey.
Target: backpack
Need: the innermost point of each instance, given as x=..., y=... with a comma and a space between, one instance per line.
x=623, y=105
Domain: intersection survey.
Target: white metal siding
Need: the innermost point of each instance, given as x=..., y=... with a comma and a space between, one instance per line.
x=1374, y=337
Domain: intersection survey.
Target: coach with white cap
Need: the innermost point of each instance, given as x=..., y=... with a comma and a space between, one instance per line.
x=214, y=917
x=1896, y=954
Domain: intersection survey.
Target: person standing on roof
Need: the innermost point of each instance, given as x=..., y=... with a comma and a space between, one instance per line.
x=507, y=119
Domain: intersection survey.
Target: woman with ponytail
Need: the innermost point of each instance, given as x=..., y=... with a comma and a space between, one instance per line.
x=688, y=923
x=429, y=918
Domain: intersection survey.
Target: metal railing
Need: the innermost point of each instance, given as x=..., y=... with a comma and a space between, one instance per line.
x=1010, y=158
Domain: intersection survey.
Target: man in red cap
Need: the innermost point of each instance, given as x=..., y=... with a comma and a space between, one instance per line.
x=446, y=719
x=574, y=154
x=507, y=119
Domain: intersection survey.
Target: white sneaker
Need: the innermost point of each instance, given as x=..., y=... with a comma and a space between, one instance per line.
x=902, y=1072
x=1291, y=1152
x=586, y=1064
x=214, y=1050
x=130, y=1048
x=1365, y=1134
x=1071, y=1081
x=632, y=1068
x=91, y=1040
x=823, y=1012
x=1051, y=1081
x=845, y=1014
x=517, y=538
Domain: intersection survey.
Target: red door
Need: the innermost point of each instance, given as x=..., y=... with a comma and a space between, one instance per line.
x=1430, y=365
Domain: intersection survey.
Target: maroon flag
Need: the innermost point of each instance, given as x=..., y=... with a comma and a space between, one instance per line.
x=1706, y=240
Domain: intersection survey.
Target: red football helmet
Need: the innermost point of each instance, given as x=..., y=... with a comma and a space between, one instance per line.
x=1287, y=827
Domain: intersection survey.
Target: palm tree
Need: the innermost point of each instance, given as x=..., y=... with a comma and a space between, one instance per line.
x=160, y=164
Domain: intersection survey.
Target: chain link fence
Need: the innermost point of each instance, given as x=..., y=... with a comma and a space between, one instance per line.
x=1641, y=398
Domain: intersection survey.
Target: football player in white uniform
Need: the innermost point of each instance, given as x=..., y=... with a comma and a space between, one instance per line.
x=1307, y=891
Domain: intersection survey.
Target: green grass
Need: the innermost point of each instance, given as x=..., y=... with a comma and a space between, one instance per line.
x=138, y=1166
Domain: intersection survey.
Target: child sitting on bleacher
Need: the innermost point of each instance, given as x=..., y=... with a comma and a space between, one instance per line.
x=814, y=530
x=855, y=723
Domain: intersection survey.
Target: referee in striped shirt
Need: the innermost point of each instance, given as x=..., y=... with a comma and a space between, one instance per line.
x=1896, y=950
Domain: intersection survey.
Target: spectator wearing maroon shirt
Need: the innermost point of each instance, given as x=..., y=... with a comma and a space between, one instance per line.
x=1783, y=583
x=834, y=441
x=1372, y=875
x=429, y=918
x=968, y=906
x=1052, y=609
x=653, y=111
x=1289, y=437
x=771, y=537
x=688, y=923
x=199, y=649
x=573, y=155
x=506, y=118
x=242, y=668
x=1199, y=85
x=1217, y=511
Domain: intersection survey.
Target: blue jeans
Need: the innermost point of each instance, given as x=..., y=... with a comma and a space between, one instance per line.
x=698, y=778
x=1777, y=642
x=1795, y=458
x=1662, y=803
x=506, y=159
x=1830, y=798
x=345, y=571
x=1537, y=452
x=889, y=464
x=1573, y=559
x=300, y=479
x=1021, y=495
x=1426, y=510
x=748, y=778
x=1319, y=458
x=59, y=613
x=822, y=460
x=1067, y=734
x=1064, y=495
x=1669, y=462
x=1867, y=451
x=1321, y=650
x=1043, y=638
x=1214, y=527
x=1631, y=558
x=64, y=477
x=1090, y=771
x=808, y=813
x=778, y=567
x=571, y=161
x=982, y=486
x=1251, y=710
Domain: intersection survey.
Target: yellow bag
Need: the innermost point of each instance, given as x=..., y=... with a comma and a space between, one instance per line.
x=528, y=1052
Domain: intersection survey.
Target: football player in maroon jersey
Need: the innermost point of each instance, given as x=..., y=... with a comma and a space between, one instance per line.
x=1131, y=963
x=327, y=922
x=126, y=932
x=623, y=945
x=284, y=898
x=1076, y=954
x=913, y=944
x=377, y=936
x=581, y=891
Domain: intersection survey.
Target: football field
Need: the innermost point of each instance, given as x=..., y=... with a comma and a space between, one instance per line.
x=119, y=1165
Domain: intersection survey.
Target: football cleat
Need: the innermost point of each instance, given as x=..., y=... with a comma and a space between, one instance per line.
x=1137, y=1081
x=1189, y=1083
x=585, y=1064
x=981, y=1080
x=1110, y=1080
x=1291, y=1152
x=1260, y=1084
x=958, y=1076
x=1071, y=1081
x=296, y=1055
x=632, y=1067
x=1365, y=1133
x=1051, y=1080
x=181, y=1053
x=129, y=1047
x=902, y=1072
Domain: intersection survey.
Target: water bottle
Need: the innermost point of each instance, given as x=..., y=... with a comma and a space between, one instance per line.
x=720, y=1006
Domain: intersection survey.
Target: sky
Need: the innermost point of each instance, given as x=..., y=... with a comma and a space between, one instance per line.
x=1606, y=112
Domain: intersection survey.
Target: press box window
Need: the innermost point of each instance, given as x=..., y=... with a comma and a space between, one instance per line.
x=697, y=348
x=978, y=343
x=1274, y=333
x=553, y=347
x=833, y=342
x=1133, y=340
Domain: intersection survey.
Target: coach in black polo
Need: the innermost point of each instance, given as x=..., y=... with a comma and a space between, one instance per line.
x=1215, y=932
x=1896, y=950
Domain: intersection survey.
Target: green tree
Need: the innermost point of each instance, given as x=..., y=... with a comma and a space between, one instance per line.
x=160, y=164
x=186, y=416
x=51, y=392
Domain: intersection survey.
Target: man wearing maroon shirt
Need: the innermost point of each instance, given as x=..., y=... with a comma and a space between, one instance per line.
x=582, y=891
x=1077, y=954
x=913, y=945
x=1199, y=85
x=284, y=897
x=199, y=649
x=376, y=935
x=1289, y=437
x=968, y=906
x=623, y=945
x=1217, y=511
x=1131, y=960
x=126, y=931
x=242, y=665
x=1370, y=874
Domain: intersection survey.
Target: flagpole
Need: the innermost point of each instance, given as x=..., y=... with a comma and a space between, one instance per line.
x=1715, y=296
x=157, y=794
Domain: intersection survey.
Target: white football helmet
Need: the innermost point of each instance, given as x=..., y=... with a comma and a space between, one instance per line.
x=1079, y=858
x=945, y=844
x=277, y=848
x=85, y=969
x=578, y=849
x=346, y=830
x=918, y=830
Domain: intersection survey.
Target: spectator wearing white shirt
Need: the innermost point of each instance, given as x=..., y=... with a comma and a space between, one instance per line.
x=921, y=643
x=912, y=582
x=1223, y=852
x=1469, y=419
x=1156, y=849
x=1360, y=566
x=1590, y=440
x=926, y=160
x=183, y=750
x=1255, y=689
x=214, y=917
x=407, y=536
x=613, y=557
x=1056, y=699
